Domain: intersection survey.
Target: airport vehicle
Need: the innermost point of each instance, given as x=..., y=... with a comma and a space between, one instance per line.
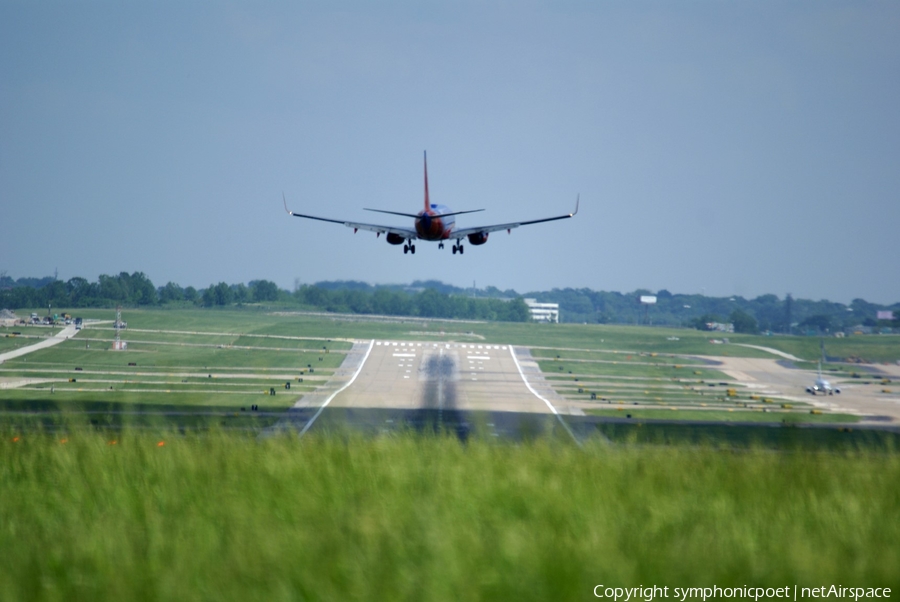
x=78, y=323
x=435, y=223
x=822, y=386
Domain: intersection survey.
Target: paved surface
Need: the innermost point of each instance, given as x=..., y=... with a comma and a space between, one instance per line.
x=66, y=333
x=774, y=377
x=498, y=391
x=453, y=387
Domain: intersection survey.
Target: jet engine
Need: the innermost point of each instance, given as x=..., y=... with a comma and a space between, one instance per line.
x=479, y=238
x=395, y=239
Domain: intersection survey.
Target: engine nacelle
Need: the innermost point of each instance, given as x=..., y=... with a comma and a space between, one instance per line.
x=395, y=239
x=479, y=238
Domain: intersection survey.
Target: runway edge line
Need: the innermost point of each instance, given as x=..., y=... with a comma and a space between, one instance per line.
x=335, y=394
x=512, y=352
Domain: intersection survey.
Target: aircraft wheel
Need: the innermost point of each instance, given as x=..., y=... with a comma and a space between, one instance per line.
x=405, y=249
x=412, y=249
x=454, y=249
x=460, y=249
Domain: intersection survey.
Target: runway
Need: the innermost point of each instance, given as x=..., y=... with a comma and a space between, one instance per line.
x=498, y=391
x=460, y=388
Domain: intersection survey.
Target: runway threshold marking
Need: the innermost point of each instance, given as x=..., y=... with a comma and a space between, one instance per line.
x=333, y=395
x=536, y=394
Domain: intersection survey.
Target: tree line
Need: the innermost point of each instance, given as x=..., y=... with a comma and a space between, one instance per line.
x=434, y=299
x=136, y=290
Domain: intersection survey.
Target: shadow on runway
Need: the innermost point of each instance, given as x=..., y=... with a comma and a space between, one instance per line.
x=525, y=427
x=462, y=424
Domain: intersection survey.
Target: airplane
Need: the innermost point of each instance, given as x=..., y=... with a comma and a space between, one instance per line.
x=434, y=223
x=822, y=385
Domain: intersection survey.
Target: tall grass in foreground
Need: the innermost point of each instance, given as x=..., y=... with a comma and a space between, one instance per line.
x=227, y=517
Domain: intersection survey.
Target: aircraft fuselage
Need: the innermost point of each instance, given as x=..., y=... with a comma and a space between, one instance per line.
x=433, y=224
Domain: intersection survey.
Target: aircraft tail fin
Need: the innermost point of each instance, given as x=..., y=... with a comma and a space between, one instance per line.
x=427, y=201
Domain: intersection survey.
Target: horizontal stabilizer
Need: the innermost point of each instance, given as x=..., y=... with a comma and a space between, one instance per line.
x=414, y=216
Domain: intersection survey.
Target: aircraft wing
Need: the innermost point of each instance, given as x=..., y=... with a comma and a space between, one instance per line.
x=497, y=227
x=408, y=233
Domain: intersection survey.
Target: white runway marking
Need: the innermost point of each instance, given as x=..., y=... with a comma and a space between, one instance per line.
x=333, y=395
x=535, y=393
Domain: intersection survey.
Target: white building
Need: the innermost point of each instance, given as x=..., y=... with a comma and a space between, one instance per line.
x=543, y=312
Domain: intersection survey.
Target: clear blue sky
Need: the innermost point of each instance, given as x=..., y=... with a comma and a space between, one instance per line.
x=719, y=147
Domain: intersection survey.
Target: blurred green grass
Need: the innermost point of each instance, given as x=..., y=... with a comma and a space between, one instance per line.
x=224, y=516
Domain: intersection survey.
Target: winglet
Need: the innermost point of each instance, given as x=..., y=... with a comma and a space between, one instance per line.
x=285, y=204
x=577, y=200
x=427, y=202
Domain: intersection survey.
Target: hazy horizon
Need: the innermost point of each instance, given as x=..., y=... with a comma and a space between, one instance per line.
x=718, y=148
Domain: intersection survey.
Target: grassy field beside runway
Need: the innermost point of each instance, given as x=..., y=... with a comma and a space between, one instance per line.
x=183, y=368
x=719, y=415
x=260, y=321
x=231, y=357
x=223, y=516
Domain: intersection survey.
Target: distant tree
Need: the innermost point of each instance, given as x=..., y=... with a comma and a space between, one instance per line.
x=821, y=322
x=170, y=292
x=141, y=290
x=217, y=294
x=191, y=294
x=111, y=288
x=264, y=290
x=517, y=311
x=56, y=293
x=788, y=313
x=222, y=294
x=240, y=293
x=743, y=322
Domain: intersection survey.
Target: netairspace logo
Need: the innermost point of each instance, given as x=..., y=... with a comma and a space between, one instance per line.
x=682, y=594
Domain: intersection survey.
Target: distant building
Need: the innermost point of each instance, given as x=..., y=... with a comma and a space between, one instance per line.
x=543, y=312
x=719, y=327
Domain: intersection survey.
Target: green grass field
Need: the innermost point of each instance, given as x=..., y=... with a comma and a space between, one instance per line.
x=223, y=516
x=229, y=358
x=148, y=482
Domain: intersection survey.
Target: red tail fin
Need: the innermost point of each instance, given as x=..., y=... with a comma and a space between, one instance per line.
x=427, y=202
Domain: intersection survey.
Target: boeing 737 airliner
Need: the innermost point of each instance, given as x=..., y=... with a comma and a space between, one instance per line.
x=434, y=222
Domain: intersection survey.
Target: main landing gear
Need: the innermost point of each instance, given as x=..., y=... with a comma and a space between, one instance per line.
x=409, y=249
x=457, y=247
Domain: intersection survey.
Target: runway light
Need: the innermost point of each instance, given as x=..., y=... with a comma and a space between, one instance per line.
x=111, y=442
x=15, y=439
x=63, y=440
x=160, y=444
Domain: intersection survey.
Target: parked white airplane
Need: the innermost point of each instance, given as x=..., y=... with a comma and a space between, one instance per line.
x=822, y=385
x=434, y=222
